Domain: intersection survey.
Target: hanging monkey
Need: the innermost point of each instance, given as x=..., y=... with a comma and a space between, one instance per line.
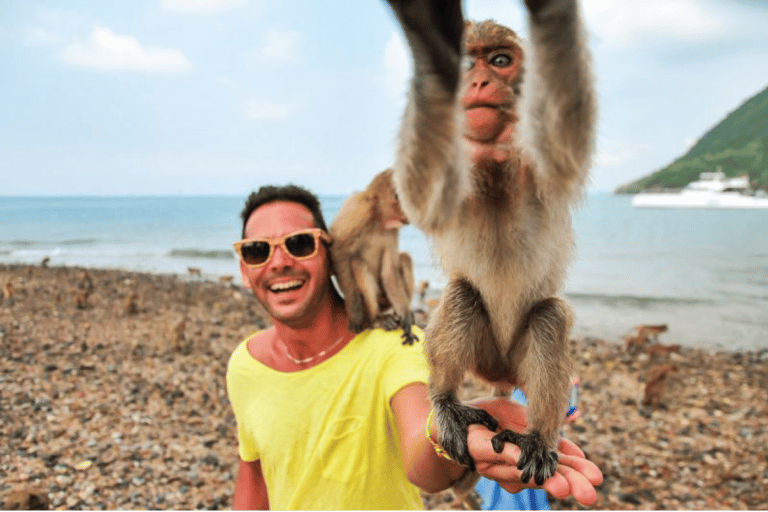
x=491, y=160
x=372, y=274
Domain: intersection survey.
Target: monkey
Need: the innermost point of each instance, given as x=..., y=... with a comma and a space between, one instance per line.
x=26, y=499
x=652, y=331
x=656, y=383
x=635, y=343
x=372, y=274
x=8, y=290
x=662, y=352
x=491, y=160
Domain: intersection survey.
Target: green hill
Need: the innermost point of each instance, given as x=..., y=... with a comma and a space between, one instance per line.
x=738, y=146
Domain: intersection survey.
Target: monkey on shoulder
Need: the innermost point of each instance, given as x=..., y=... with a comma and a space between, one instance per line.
x=495, y=145
x=372, y=273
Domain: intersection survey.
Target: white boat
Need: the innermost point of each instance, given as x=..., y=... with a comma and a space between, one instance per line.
x=713, y=190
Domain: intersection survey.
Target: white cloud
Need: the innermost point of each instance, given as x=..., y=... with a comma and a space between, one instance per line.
x=110, y=51
x=280, y=46
x=621, y=24
x=258, y=110
x=200, y=6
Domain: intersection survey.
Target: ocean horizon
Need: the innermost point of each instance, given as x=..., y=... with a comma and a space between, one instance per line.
x=704, y=273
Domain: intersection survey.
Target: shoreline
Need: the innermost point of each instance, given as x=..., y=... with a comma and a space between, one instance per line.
x=112, y=395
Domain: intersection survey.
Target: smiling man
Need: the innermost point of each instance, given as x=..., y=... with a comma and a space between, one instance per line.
x=330, y=419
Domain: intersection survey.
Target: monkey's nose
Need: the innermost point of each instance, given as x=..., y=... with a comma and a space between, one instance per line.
x=480, y=80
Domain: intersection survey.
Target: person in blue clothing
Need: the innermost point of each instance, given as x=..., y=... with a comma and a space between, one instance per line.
x=496, y=498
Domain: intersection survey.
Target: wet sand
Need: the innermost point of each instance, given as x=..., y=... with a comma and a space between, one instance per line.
x=112, y=396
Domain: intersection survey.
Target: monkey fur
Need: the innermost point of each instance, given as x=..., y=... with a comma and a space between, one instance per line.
x=496, y=204
x=372, y=274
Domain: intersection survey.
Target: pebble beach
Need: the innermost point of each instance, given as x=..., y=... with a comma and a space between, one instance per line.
x=112, y=396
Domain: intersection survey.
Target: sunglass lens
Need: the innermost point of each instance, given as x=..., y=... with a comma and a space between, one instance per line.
x=300, y=245
x=255, y=253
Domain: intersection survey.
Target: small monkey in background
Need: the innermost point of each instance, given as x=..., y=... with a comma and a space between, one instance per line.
x=372, y=274
x=491, y=161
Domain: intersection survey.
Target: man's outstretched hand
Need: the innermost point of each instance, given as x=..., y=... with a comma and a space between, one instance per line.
x=575, y=475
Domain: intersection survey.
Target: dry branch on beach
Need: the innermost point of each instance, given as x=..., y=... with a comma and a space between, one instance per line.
x=121, y=402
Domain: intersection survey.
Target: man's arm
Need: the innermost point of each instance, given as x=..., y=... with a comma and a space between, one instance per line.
x=575, y=475
x=424, y=468
x=250, y=489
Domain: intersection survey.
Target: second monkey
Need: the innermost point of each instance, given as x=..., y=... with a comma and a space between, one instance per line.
x=372, y=273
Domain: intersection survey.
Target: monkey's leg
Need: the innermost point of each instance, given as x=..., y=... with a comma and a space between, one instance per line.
x=353, y=300
x=545, y=370
x=458, y=327
x=406, y=273
x=367, y=283
x=397, y=281
x=407, y=283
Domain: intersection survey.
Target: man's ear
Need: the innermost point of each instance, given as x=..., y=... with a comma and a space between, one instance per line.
x=244, y=275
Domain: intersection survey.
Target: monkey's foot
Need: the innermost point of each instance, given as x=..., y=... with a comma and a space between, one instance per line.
x=409, y=338
x=407, y=323
x=536, y=460
x=453, y=420
x=391, y=322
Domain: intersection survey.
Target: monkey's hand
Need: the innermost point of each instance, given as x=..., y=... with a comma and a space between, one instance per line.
x=433, y=29
x=388, y=321
x=536, y=460
x=535, y=6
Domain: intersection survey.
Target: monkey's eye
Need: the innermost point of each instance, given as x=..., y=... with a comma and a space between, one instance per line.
x=500, y=60
x=467, y=63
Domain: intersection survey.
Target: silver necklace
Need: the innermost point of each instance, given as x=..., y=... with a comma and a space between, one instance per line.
x=311, y=358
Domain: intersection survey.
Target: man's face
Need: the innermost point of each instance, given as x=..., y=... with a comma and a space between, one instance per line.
x=292, y=291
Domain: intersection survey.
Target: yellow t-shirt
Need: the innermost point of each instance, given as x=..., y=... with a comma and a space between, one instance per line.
x=326, y=436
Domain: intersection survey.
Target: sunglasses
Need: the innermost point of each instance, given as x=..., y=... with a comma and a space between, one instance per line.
x=256, y=252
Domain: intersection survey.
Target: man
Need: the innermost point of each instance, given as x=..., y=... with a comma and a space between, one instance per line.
x=327, y=419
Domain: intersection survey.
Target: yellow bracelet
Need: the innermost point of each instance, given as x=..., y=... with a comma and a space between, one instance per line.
x=428, y=432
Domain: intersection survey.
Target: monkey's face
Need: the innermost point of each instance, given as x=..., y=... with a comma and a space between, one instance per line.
x=492, y=70
x=292, y=291
x=390, y=212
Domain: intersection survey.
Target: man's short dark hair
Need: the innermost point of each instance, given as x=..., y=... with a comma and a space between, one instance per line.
x=291, y=193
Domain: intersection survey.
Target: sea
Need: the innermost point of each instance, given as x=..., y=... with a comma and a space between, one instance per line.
x=704, y=273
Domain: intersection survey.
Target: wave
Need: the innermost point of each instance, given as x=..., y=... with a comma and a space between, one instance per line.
x=635, y=301
x=43, y=243
x=200, y=253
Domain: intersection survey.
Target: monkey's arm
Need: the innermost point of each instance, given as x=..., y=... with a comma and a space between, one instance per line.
x=557, y=124
x=426, y=170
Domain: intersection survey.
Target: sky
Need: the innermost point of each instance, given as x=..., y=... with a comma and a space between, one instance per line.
x=209, y=97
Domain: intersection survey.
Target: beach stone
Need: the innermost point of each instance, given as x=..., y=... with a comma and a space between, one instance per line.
x=156, y=425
